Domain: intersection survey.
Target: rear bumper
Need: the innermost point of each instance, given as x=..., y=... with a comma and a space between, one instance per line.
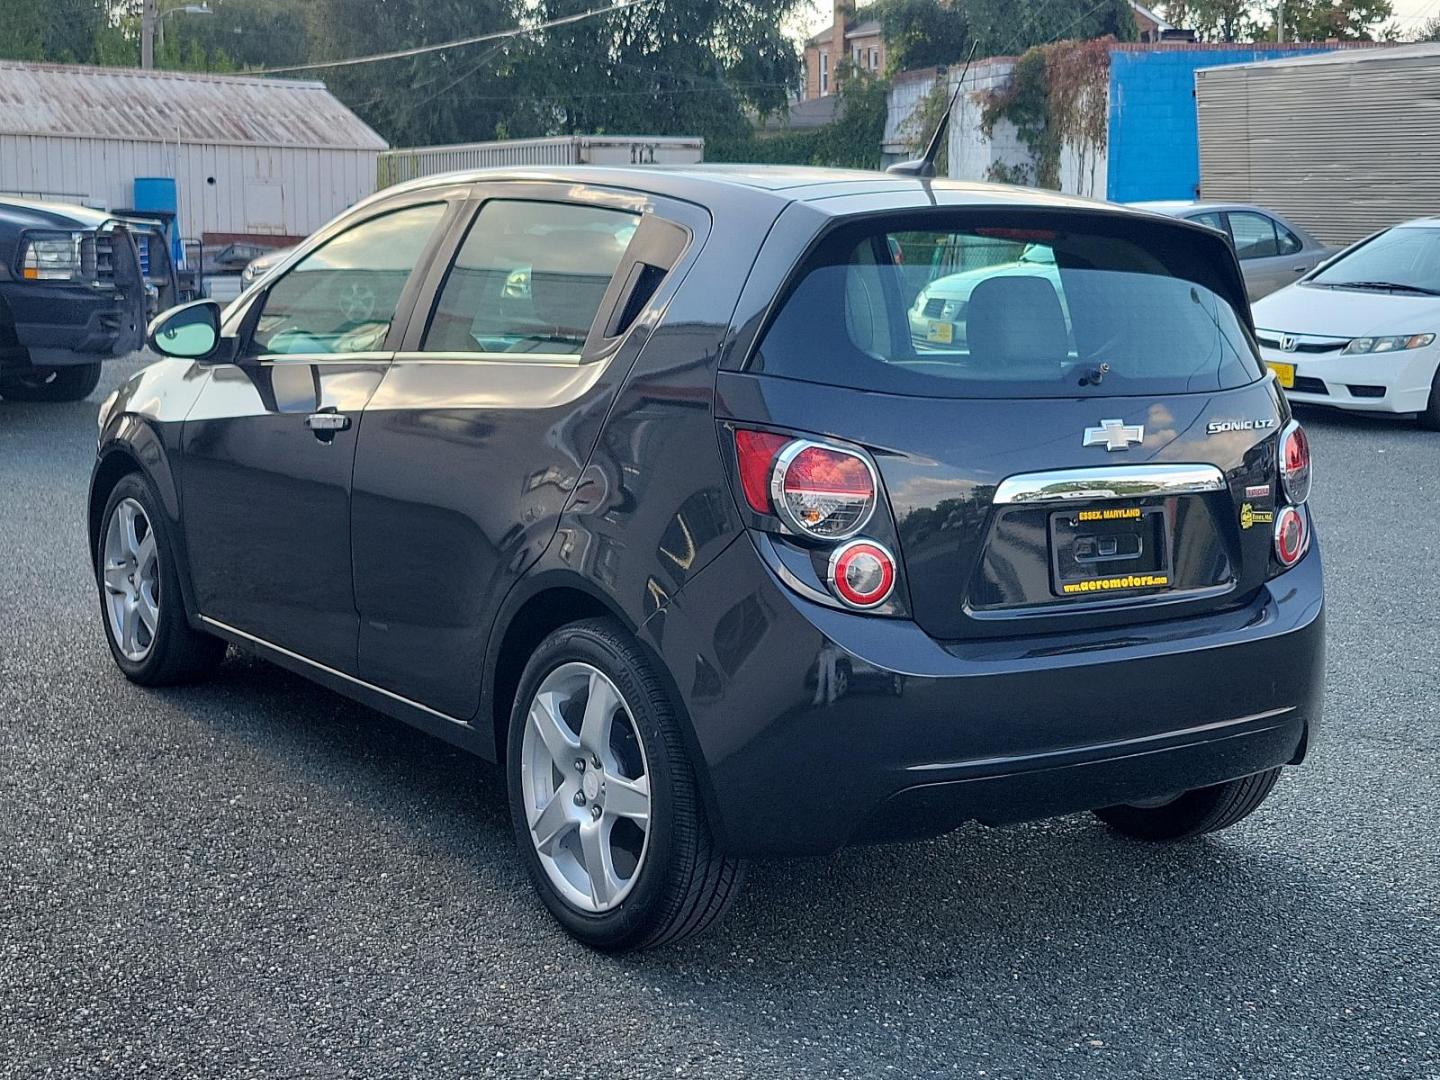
x=62, y=323
x=1387, y=382
x=916, y=737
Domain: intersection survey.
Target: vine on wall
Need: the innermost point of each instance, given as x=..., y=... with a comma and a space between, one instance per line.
x=1057, y=96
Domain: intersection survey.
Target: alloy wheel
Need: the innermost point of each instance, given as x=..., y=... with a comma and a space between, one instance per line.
x=586, y=785
x=130, y=574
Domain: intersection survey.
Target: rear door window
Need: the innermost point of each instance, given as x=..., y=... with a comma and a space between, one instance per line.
x=1254, y=235
x=1004, y=311
x=529, y=278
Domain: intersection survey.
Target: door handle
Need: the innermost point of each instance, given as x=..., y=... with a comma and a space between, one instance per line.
x=327, y=423
x=1300, y=269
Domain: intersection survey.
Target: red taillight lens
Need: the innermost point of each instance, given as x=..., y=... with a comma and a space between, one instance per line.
x=821, y=491
x=756, y=451
x=862, y=574
x=1295, y=463
x=1292, y=535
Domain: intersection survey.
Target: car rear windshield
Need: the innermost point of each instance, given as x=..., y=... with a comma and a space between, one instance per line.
x=1114, y=307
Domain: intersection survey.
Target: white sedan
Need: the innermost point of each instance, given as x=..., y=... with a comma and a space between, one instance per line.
x=1360, y=331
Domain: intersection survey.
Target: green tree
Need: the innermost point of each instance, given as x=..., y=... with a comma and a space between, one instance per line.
x=62, y=31
x=1346, y=20
x=1305, y=20
x=1216, y=20
x=923, y=33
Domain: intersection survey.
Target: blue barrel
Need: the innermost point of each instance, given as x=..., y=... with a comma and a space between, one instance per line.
x=156, y=193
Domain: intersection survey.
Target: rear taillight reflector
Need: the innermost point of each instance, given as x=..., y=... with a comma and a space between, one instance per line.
x=1292, y=535
x=1295, y=463
x=862, y=574
x=756, y=452
x=822, y=491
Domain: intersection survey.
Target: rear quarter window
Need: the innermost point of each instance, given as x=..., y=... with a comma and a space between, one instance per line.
x=1052, y=307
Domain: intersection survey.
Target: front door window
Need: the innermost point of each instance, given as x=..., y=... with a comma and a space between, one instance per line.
x=342, y=297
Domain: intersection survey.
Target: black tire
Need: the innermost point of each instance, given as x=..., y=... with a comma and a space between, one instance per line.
x=1430, y=418
x=1204, y=810
x=178, y=653
x=684, y=883
x=74, y=382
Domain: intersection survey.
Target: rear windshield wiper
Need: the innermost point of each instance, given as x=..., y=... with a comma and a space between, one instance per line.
x=1393, y=286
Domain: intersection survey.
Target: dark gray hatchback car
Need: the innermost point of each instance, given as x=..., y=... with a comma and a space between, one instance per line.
x=647, y=485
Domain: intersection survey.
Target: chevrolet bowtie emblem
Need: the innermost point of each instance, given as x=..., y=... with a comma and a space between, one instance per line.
x=1114, y=434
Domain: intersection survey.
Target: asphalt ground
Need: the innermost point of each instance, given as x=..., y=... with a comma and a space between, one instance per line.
x=256, y=877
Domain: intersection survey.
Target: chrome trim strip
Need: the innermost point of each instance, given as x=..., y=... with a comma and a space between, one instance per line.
x=1108, y=482
x=226, y=628
x=413, y=358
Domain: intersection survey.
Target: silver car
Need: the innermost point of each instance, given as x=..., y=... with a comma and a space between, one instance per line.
x=1274, y=251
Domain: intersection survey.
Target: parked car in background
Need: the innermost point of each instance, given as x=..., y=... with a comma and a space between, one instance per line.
x=231, y=269
x=636, y=482
x=77, y=287
x=1360, y=332
x=938, y=315
x=1273, y=251
x=258, y=267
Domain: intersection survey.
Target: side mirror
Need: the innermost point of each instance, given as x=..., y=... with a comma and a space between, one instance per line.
x=187, y=332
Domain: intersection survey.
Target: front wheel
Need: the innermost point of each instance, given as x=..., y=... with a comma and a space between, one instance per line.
x=1204, y=810
x=1430, y=417
x=604, y=800
x=71, y=383
x=144, y=617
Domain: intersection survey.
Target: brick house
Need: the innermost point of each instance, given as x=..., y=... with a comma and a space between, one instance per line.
x=858, y=40
x=861, y=41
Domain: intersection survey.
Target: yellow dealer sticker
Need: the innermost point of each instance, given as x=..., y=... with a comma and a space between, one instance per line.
x=1250, y=516
x=1110, y=584
x=1124, y=513
x=1284, y=374
x=942, y=333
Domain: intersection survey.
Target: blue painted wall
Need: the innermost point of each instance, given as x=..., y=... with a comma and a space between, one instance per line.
x=1153, y=146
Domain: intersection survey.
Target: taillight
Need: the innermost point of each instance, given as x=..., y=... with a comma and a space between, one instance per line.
x=819, y=491
x=1295, y=463
x=756, y=451
x=862, y=574
x=1292, y=535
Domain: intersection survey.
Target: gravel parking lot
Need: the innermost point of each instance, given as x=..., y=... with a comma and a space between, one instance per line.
x=257, y=878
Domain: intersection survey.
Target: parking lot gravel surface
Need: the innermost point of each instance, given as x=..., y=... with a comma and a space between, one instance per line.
x=257, y=878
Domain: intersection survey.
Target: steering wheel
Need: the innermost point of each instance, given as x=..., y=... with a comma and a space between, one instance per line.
x=357, y=302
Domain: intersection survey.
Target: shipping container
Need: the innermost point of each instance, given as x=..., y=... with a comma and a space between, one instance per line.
x=1344, y=143
x=397, y=166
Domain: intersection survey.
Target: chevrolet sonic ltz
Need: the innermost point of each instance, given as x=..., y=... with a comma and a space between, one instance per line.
x=655, y=487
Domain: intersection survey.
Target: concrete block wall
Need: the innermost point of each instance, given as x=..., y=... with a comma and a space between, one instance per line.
x=1153, y=146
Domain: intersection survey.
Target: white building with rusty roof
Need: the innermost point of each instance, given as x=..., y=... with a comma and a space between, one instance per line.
x=250, y=157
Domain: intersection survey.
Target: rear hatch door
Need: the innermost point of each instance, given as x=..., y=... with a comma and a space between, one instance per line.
x=1087, y=437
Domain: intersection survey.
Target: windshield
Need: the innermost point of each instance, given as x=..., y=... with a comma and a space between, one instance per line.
x=1004, y=312
x=1405, y=258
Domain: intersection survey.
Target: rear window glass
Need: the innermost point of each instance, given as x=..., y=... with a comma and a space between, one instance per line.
x=1007, y=311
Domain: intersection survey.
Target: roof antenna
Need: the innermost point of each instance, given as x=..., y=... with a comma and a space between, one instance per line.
x=925, y=164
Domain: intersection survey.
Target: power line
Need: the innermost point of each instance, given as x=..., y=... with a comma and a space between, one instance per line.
x=419, y=50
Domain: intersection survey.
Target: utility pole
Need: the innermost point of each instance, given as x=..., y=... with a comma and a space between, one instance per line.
x=1280, y=24
x=148, y=19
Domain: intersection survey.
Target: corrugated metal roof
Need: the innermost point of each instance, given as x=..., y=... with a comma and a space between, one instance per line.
x=171, y=106
x=1346, y=52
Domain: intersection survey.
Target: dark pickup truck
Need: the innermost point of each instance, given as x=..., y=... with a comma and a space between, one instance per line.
x=77, y=286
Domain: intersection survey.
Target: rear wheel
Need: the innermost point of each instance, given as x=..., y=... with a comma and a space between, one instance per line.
x=144, y=617
x=70, y=383
x=1204, y=810
x=603, y=797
